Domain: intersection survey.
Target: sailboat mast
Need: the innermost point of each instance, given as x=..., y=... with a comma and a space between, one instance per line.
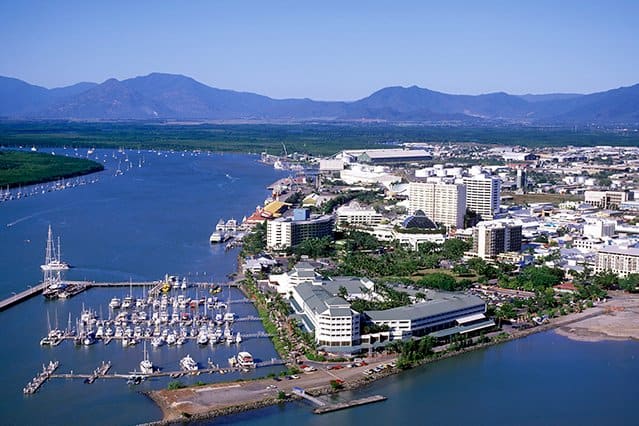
x=49, y=249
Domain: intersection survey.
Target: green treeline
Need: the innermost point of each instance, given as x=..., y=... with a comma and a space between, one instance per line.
x=24, y=168
x=320, y=139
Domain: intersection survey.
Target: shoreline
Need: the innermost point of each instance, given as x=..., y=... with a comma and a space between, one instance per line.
x=188, y=404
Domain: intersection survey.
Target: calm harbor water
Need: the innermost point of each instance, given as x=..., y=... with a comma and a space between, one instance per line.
x=544, y=379
x=156, y=219
x=140, y=225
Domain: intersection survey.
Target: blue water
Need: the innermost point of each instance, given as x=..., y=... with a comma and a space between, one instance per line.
x=141, y=225
x=544, y=379
x=155, y=220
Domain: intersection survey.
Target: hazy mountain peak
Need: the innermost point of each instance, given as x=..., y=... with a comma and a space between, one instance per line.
x=174, y=96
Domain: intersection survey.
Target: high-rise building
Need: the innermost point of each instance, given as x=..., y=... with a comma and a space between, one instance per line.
x=483, y=195
x=442, y=203
x=286, y=232
x=491, y=238
x=522, y=180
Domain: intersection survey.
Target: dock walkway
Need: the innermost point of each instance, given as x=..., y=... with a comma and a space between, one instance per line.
x=23, y=295
x=38, y=288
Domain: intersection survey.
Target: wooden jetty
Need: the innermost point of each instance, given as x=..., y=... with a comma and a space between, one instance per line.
x=327, y=408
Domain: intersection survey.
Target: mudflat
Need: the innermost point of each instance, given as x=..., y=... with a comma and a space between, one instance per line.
x=619, y=320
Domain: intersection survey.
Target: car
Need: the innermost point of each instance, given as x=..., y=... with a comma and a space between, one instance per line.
x=277, y=379
x=294, y=376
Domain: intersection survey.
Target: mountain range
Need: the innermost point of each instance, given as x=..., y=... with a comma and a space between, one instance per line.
x=160, y=96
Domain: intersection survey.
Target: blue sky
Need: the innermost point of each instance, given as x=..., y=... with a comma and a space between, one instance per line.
x=334, y=50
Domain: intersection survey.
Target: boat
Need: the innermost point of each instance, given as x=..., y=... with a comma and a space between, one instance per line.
x=202, y=338
x=218, y=237
x=88, y=340
x=157, y=342
x=229, y=317
x=53, y=290
x=127, y=302
x=115, y=303
x=53, y=261
x=245, y=359
x=171, y=339
x=146, y=366
x=188, y=364
x=238, y=338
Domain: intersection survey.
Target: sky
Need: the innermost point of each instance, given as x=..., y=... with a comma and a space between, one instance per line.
x=328, y=50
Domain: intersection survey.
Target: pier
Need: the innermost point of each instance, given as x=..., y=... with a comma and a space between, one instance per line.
x=80, y=286
x=328, y=408
x=22, y=296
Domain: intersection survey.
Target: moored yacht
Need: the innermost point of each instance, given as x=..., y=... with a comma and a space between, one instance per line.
x=245, y=359
x=188, y=364
x=146, y=366
x=115, y=303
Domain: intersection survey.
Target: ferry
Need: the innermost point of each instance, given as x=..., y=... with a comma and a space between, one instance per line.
x=188, y=364
x=245, y=360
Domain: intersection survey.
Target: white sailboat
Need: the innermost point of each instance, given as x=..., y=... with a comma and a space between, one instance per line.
x=146, y=366
x=53, y=261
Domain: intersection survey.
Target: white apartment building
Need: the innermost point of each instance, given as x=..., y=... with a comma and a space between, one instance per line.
x=483, y=195
x=441, y=202
x=285, y=232
x=355, y=216
x=622, y=261
x=599, y=228
x=332, y=319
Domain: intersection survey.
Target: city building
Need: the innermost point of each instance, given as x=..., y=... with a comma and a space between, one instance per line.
x=598, y=228
x=443, y=203
x=622, y=261
x=368, y=175
x=286, y=232
x=385, y=156
x=482, y=195
x=522, y=180
x=491, y=238
x=608, y=199
x=328, y=316
x=353, y=215
x=443, y=314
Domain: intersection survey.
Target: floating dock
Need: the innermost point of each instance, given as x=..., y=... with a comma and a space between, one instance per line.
x=328, y=408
